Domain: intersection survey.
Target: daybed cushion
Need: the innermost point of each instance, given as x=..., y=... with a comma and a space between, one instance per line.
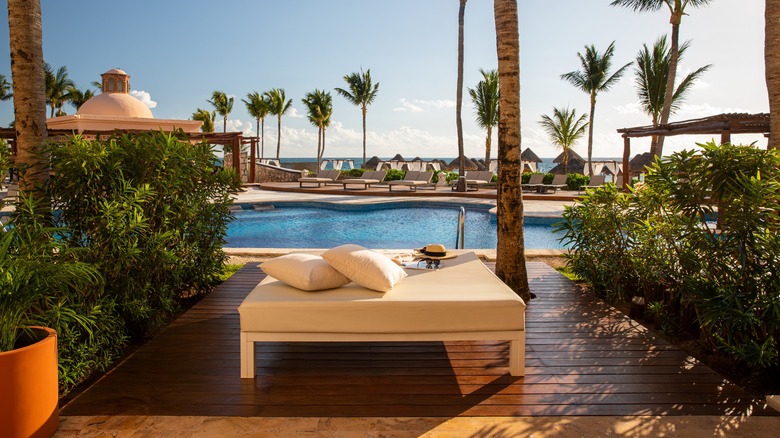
x=304, y=271
x=365, y=267
x=463, y=296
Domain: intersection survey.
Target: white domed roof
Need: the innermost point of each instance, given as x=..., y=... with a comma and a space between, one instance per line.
x=115, y=104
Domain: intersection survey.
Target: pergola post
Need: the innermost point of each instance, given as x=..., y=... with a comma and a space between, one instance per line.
x=626, y=164
x=725, y=136
x=235, y=144
x=252, y=145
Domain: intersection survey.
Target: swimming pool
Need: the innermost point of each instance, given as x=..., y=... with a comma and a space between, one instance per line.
x=390, y=225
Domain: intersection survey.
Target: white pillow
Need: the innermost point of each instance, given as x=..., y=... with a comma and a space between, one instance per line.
x=304, y=271
x=365, y=267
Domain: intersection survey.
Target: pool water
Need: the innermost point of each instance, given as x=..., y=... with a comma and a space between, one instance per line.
x=391, y=226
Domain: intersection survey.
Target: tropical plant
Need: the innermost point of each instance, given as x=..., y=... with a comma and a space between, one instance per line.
x=152, y=215
x=564, y=129
x=772, y=69
x=206, y=118
x=257, y=107
x=652, y=70
x=223, y=105
x=714, y=281
x=676, y=11
x=58, y=87
x=6, y=89
x=593, y=79
x=278, y=106
x=510, y=249
x=485, y=99
x=319, y=106
x=38, y=268
x=78, y=97
x=24, y=25
x=361, y=92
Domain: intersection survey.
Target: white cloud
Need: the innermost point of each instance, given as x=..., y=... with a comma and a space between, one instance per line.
x=631, y=108
x=294, y=113
x=689, y=111
x=418, y=105
x=235, y=125
x=144, y=97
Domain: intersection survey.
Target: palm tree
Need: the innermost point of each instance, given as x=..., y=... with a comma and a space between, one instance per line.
x=78, y=97
x=461, y=187
x=25, y=38
x=772, y=69
x=361, y=93
x=278, y=105
x=676, y=10
x=223, y=105
x=652, y=70
x=257, y=107
x=319, y=105
x=510, y=250
x=58, y=87
x=485, y=99
x=564, y=129
x=6, y=89
x=207, y=119
x=592, y=79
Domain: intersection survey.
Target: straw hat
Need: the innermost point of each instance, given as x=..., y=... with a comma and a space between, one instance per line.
x=435, y=251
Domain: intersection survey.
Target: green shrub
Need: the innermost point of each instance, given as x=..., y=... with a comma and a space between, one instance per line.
x=575, y=181
x=151, y=213
x=717, y=283
x=352, y=173
x=395, y=175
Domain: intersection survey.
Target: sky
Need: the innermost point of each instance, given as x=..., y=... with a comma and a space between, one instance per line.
x=178, y=52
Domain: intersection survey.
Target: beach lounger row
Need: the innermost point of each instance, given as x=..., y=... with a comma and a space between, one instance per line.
x=413, y=180
x=323, y=177
x=369, y=177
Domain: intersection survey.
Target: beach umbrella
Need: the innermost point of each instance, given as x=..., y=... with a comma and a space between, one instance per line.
x=371, y=163
x=529, y=155
x=576, y=165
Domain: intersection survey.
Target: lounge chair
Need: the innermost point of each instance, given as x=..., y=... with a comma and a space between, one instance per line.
x=323, y=177
x=369, y=177
x=474, y=179
x=558, y=182
x=595, y=182
x=461, y=301
x=535, y=182
x=413, y=179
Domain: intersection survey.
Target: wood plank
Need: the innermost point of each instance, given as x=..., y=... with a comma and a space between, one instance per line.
x=583, y=358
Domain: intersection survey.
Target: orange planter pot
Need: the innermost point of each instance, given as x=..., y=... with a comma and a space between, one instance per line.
x=28, y=388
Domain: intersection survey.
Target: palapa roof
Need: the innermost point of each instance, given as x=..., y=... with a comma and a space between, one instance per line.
x=529, y=155
x=638, y=163
x=372, y=162
x=572, y=156
x=398, y=157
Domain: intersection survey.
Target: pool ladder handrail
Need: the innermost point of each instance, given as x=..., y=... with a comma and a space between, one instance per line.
x=459, y=238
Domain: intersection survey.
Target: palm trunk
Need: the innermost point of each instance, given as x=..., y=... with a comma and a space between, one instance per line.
x=669, y=92
x=322, y=154
x=224, y=124
x=565, y=161
x=258, y=132
x=459, y=99
x=25, y=37
x=278, y=137
x=510, y=251
x=772, y=69
x=319, y=146
x=488, y=140
x=262, y=138
x=364, y=110
x=590, y=133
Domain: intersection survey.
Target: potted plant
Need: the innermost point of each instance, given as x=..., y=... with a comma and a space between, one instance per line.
x=36, y=269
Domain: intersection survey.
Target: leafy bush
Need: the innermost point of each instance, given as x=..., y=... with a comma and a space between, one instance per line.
x=151, y=213
x=718, y=283
x=352, y=173
x=395, y=175
x=575, y=181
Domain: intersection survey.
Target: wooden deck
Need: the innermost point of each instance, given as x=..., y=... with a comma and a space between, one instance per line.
x=583, y=358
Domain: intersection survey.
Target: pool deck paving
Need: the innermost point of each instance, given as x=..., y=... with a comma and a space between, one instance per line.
x=724, y=412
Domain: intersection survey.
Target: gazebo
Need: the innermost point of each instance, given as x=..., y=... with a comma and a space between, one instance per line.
x=723, y=124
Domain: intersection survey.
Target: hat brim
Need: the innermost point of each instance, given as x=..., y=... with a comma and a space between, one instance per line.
x=424, y=255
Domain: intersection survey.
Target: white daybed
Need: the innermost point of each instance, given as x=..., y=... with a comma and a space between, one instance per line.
x=463, y=300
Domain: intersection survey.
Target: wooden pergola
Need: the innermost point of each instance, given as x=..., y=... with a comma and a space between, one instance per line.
x=232, y=139
x=723, y=124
